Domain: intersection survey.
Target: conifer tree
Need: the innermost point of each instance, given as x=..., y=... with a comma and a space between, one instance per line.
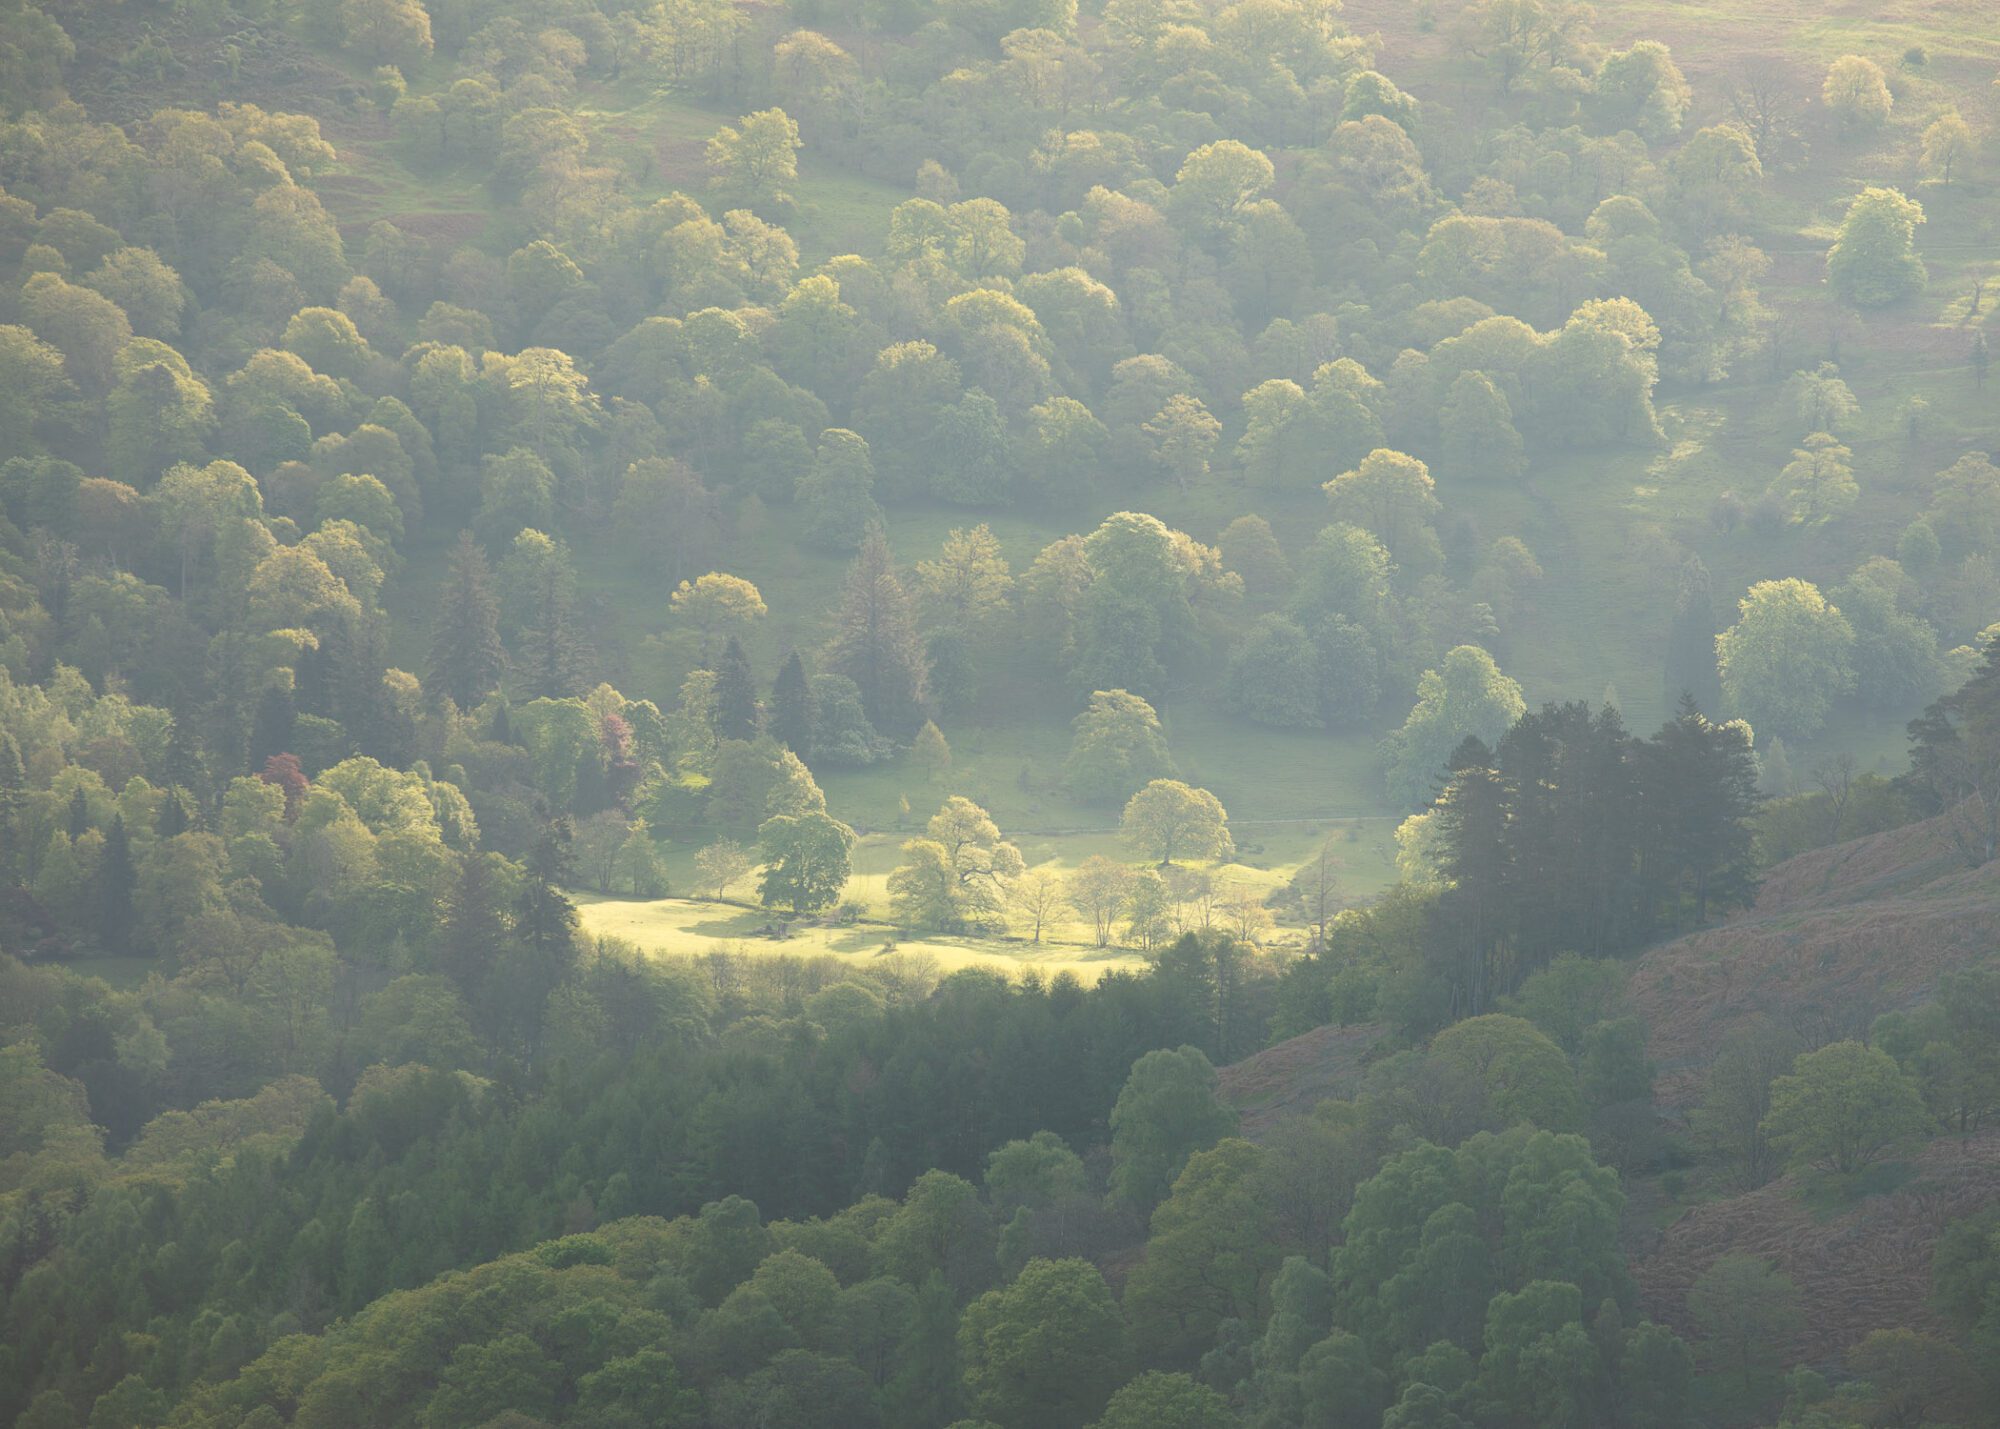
x=735, y=709
x=875, y=639
x=554, y=655
x=466, y=656
x=792, y=707
x=1690, y=658
x=116, y=878
x=13, y=790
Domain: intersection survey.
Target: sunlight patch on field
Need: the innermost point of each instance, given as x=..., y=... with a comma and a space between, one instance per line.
x=680, y=927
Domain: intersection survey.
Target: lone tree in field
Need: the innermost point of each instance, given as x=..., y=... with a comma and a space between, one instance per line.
x=1168, y=817
x=806, y=863
x=758, y=160
x=1873, y=261
x=721, y=864
x=1947, y=142
x=1857, y=93
x=1844, y=1107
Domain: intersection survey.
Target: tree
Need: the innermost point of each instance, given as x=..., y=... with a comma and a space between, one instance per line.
x=875, y=639
x=1167, y=1110
x=1216, y=181
x=1098, y=891
x=1275, y=676
x=1037, y=893
x=1477, y=426
x=638, y=863
x=1048, y=1349
x=930, y=753
x=757, y=161
x=734, y=712
x=718, y=605
x=1158, y=1400
x=1518, y=1071
x=466, y=655
x=1947, y=143
x=1873, y=261
x=1182, y=436
x=721, y=864
x=394, y=32
x=806, y=863
x=1642, y=89
x=1825, y=402
x=835, y=496
x=31, y=379
x=1469, y=698
x=1117, y=748
x=1857, y=92
x=1787, y=658
x=1843, y=1107
x=1747, y=1313
x=1168, y=817
x=792, y=707
x=1393, y=496
x=1817, y=484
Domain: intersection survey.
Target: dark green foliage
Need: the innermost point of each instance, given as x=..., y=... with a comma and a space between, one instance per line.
x=466, y=654
x=736, y=713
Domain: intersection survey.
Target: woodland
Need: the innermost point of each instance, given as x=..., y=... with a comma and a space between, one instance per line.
x=999, y=714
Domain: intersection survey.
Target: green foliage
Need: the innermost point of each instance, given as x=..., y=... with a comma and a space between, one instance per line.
x=1167, y=1111
x=1844, y=1106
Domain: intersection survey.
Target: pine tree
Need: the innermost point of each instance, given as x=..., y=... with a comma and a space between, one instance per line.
x=555, y=657
x=735, y=712
x=466, y=655
x=176, y=817
x=1699, y=787
x=13, y=793
x=792, y=711
x=930, y=753
x=474, y=931
x=79, y=813
x=1690, y=656
x=116, y=879
x=875, y=639
x=277, y=715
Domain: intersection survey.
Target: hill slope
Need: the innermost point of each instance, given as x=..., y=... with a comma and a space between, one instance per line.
x=1837, y=937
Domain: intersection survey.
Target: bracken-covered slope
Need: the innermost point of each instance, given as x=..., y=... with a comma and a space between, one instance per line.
x=1859, y=1269
x=1837, y=937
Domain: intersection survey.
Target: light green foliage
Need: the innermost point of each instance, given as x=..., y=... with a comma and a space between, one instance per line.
x=1168, y=817
x=1857, y=93
x=1787, y=658
x=806, y=861
x=1873, y=260
x=1156, y=1400
x=1117, y=748
x=1524, y=1075
x=759, y=160
x=1843, y=1107
x=1469, y=697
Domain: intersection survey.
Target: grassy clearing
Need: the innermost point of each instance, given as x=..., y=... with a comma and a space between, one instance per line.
x=678, y=927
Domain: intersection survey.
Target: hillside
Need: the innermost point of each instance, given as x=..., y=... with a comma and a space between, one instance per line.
x=1859, y=1266
x=1837, y=937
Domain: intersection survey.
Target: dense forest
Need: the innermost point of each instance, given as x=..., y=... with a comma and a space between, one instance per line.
x=1158, y=715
